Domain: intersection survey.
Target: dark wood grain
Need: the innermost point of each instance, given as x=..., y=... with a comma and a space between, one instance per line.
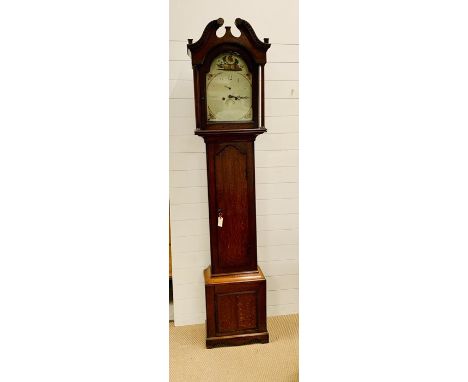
x=262, y=100
x=232, y=203
x=236, y=308
x=237, y=339
x=235, y=288
x=209, y=46
x=209, y=40
x=231, y=189
x=226, y=313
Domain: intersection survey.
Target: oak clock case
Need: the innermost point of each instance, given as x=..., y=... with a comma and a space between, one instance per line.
x=228, y=74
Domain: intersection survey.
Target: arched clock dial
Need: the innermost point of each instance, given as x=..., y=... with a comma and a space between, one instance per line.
x=229, y=89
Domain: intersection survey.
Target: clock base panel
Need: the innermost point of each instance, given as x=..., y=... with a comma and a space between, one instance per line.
x=236, y=308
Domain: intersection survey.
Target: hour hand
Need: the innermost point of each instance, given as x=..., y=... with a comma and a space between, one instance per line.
x=227, y=87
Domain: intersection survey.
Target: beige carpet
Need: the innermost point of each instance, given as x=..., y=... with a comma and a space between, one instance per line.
x=189, y=360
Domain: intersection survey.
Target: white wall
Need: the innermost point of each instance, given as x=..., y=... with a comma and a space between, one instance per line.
x=276, y=155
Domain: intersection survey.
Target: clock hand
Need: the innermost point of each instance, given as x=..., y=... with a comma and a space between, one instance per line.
x=227, y=87
x=237, y=97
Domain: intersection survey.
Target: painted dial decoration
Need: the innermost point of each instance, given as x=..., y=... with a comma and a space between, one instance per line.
x=229, y=89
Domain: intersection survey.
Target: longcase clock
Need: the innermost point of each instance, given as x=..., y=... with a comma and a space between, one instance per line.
x=228, y=75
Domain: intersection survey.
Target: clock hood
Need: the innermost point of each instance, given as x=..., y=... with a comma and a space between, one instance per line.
x=209, y=40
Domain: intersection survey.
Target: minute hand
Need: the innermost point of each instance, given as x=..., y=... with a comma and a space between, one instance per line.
x=237, y=97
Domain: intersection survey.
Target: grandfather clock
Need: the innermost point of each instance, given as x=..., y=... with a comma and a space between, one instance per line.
x=229, y=108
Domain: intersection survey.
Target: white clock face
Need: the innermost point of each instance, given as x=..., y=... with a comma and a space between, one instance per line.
x=229, y=89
